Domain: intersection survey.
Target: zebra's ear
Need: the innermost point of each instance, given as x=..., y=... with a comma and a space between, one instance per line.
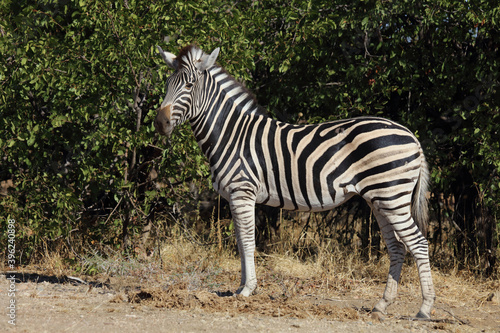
x=170, y=58
x=208, y=61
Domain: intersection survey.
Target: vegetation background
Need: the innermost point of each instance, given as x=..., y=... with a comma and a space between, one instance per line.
x=82, y=169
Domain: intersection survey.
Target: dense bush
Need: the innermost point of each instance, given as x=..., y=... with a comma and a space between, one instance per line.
x=80, y=82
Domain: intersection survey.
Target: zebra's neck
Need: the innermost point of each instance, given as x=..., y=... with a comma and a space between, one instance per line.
x=225, y=112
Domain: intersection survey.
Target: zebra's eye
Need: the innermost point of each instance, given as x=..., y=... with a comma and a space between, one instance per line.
x=189, y=85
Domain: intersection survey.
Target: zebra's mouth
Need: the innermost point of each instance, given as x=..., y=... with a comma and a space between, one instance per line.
x=163, y=123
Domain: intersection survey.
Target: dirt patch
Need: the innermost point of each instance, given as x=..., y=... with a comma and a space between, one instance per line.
x=178, y=297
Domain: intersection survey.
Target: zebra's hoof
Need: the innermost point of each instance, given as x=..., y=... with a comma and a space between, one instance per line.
x=422, y=315
x=245, y=291
x=375, y=310
x=381, y=307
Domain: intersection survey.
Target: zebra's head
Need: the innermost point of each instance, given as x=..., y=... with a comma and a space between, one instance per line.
x=182, y=86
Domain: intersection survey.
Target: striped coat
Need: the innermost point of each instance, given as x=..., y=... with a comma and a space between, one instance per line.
x=256, y=159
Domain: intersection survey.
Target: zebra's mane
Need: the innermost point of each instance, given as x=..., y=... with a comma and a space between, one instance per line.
x=190, y=54
x=256, y=107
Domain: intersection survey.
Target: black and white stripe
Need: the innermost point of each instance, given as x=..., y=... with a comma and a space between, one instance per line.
x=255, y=159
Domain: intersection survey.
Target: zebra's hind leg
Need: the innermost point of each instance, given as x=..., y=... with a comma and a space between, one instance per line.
x=420, y=250
x=397, y=252
x=243, y=213
x=408, y=233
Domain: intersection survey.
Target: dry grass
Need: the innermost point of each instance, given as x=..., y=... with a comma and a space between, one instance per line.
x=331, y=270
x=181, y=260
x=184, y=259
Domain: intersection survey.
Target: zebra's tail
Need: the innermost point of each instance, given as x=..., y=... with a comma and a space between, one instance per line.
x=420, y=209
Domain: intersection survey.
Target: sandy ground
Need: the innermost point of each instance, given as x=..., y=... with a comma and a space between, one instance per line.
x=50, y=304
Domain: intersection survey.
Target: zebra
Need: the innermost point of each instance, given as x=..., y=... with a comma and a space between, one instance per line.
x=256, y=159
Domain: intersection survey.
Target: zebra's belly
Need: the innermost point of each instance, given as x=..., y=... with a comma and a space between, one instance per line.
x=299, y=203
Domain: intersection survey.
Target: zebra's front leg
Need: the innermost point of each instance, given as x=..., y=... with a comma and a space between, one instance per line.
x=243, y=213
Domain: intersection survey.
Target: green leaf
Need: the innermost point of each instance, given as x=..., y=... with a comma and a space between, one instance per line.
x=59, y=120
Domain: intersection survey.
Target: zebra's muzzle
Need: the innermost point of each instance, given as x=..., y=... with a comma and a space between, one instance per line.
x=163, y=122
